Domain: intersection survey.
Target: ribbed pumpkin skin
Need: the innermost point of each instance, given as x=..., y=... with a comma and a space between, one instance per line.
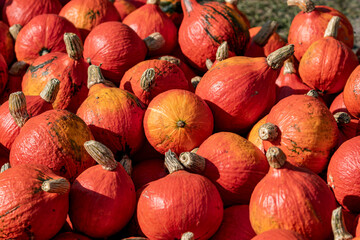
x=307, y=28
x=165, y=212
x=6, y=43
x=71, y=74
x=42, y=32
x=253, y=135
x=124, y=8
x=167, y=76
x=235, y=224
x=307, y=131
x=205, y=27
x=21, y=12
x=27, y=212
x=234, y=165
x=115, y=118
x=3, y=74
x=86, y=14
x=147, y=171
x=116, y=46
x=101, y=201
x=70, y=236
x=55, y=139
x=327, y=65
x=166, y=110
x=343, y=174
x=156, y=21
x=238, y=91
x=292, y=198
x=351, y=93
x=278, y=234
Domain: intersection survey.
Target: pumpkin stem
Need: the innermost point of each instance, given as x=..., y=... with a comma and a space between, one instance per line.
x=154, y=41
x=155, y=2
x=276, y=157
x=276, y=59
x=14, y=30
x=50, y=90
x=332, y=27
x=5, y=167
x=262, y=37
x=222, y=52
x=18, y=68
x=187, y=236
x=338, y=225
x=342, y=118
x=172, y=163
x=147, y=79
x=126, y=163
x=188, y=5
x=74, y=47
x=208, y=63
x=60, y=186
x=195, y=81
x=289, y=67
x=305, y=5
x=313, y=93
x=194, y=150
x=233, y=2
x=171, y=59
x=17, y=108
x=192, y=162
x=180, y=124
x=101, y=154
x=44, y=51
x=268, y=132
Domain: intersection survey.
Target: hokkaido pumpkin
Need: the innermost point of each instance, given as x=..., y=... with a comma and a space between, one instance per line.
x=147, y=171
x=351, y=93
x=6, y=43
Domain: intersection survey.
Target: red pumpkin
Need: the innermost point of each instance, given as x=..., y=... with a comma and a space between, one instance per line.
x=21, y=12
x=70, y=68
x=253, y=135
x=205, y=26
x=278, y=234
x=38, y=200
x=70, y=236
x=156, y=21
x=6, y=43
x=235, y=225
x=233, y=5
x=55, y=139
x=309, y=26
x=3, y=74
x=240, y=89
x=291, y=198
x=200, y=211
x=102, y=198
x=42, y=35
x=147, y=171
x=86, y=14
x=351, y=93
x=178, y=120
x=124, y=8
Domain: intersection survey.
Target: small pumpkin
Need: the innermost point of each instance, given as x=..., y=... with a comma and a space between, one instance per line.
x=147, y=171
x=6, y=43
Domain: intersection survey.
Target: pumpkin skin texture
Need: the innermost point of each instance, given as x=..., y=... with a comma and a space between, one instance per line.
x=253, y=135
x=351, y=93
x=116, y=46
x=55, y=139
x=43, y=34
x=178, y=120
x=70, y=236
x=307, y=131
x=167, y=76
x=234, y=165
x=21, y=12
x=278, y=234
x=86, y=14
x=6, y=43
x=205, y=27
x=39, y=214
x=147, y=171
x=235, y=224
x=124, y=8
x=3, y=74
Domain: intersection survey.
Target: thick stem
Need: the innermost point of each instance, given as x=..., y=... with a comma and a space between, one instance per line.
x=313, y=93
x=342, y=118
x=94, y=76
x=262, y=37
x=305, y=5
x=147, y=80
x=14, y=30
x=338, y=225
x=233, y=2
x=60, y=186
x=268, y=132
x=187, y=236
x=289, y=67
x=5, y=167
x=155, y=2
x=332, y=27
x=50, y=90
x=192, y=162
x=276, y=59
x=154, y=41
x=127, y=164
x=18, y=68
x=208, y=63
x=101, y=154
x=172, y=163
x=222, y=52
x=171, y=59
x=276, y=157
x=195, y=81
x=17, y=108
x=74, y=47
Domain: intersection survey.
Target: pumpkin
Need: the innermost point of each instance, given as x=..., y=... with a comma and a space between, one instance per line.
x=178, y=120
x=102, y=198
x=351, y=93
x=147, y=171
x=38, y=200
x=86, y=14
x=149, y=78
x=3, y=74
x=42, y=35
x=156, y=21
x=253, y=135
x=70, y=236
x=123, y=7
x=235, y=224
x=234, y=85
x=70, y=68
x=309, y=26
x=291, y=198
x=233, y=5
x=116, y=47
x=55, y=139
x=21, y=12
x=200, y=211
x=327, y=63
x=6, y=43
x=278, y=234
x=205, y=26
x=338, y=225
x=172, y=8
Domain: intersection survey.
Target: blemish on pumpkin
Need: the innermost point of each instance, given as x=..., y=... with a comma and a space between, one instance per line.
x=254, y=94
x=296, y=127
x=296, y=148
x=33, y=69
x=135, y=99
x=9, y=211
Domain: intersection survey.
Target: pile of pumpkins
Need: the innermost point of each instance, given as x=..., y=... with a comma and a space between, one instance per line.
x=158, y=119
